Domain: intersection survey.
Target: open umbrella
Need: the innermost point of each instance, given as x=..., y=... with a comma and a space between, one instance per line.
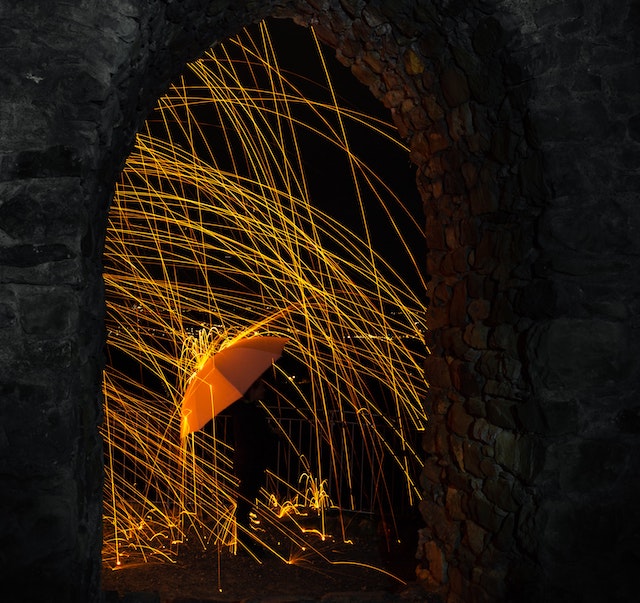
x=225, y=377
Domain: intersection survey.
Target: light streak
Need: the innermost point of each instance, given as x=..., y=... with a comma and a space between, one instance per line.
x=215, y=234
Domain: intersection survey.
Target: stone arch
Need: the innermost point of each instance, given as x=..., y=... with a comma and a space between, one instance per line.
x=457, y=78
x=460, y=103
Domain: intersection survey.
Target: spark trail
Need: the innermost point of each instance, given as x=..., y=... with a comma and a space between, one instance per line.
x=215, y=233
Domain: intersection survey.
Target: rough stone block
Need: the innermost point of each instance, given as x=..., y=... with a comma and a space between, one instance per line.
x=447, y=267
x=465, y=379
x=458, y=479
x=30, y=209
x=483, y=199
x=429, y=438
x=559, y=12
x=50, y=314
x=431, y=106
x=473, y=455
x=437, y=372
x=475, y=407
x=479, y=309
x=504, y=337
x=491, y=363
x=460, y=260
x=363, y=73
x=435, y=561
x=432, y=513
x=456, y=585
x=500, y=389
x=475, y=536
x=458, y=420
x=458, y=308
x=501, y=413
x=486, y=514
x=442, y=408
x=448, y=533
x=412, y=63
x=475, y=285
x=455, y=87
x=56, y=266
x=477, y=336
x=498, y=491
x=489, y=468
x=373, y=61
x=484, y=431
x=484, y=251
x=454, y=500
x=432, y=470
x=438, y=137
x=442, y=293
x=456, y=451
x=519, y=454
x=453, y=343
x=460, y=122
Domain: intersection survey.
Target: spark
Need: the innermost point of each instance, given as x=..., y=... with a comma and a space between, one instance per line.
x=215, y=234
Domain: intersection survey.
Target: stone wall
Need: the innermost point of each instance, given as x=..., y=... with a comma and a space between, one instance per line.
x=522, y=119
x=582, y=350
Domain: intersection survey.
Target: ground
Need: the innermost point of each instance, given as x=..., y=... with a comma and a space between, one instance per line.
x=368, y=562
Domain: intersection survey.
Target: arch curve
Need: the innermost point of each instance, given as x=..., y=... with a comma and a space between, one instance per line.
x=460, y=101
x=515, y=363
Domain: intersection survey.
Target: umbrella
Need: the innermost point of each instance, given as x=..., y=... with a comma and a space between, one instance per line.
x=225, y=377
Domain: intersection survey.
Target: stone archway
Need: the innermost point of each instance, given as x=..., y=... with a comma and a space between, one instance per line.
x=503, y=341
x=443, y=106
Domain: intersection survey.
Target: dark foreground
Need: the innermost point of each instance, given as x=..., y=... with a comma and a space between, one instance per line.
x=365, y=570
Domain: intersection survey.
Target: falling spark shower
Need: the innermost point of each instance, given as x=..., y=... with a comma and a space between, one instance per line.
x=215, y=233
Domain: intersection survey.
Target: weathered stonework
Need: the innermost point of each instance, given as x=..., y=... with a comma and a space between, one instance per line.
x=522, y=121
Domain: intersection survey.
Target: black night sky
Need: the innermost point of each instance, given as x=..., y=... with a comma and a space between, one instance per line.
x=297, y=55
x=327, y=170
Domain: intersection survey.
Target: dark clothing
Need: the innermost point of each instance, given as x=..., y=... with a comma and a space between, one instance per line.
x=253, y=440
x=254, y=451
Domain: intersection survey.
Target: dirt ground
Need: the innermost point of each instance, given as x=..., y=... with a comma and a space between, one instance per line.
x=367, y=562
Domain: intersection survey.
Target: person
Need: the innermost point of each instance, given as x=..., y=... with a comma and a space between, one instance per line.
x=254, y=446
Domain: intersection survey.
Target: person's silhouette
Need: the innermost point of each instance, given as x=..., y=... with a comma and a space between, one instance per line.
x=254, y=445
